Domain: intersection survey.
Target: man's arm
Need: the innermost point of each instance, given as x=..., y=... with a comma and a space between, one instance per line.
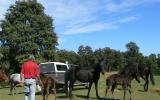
x=21, y=76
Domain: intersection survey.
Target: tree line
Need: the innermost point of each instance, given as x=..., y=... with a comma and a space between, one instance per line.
x=27, y=30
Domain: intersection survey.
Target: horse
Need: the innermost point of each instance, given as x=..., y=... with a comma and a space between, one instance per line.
x=48, y=86
x=3, y=76
x=14, y=79
x=145, y=72
x=131, y=70
x=117, y=79
x=91, y=76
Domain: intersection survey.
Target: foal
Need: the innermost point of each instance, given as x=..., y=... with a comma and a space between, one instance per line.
x=117, y=79
x=48, y=86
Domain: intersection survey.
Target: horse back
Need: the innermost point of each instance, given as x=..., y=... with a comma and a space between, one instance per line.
x=118, y=79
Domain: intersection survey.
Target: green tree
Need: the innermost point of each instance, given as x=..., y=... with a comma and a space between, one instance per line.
x=132, y=52
x=158, y=60
x=86, y=55
x=26, y=30
x=70, y=56
x=152, y=60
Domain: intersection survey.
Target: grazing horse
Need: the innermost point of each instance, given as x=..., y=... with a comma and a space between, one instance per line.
x=145, y=72
x=117, y=79
x=13, y=81
x=48, y=86
x=131, y=70
x=3, y=76
x=91, y=76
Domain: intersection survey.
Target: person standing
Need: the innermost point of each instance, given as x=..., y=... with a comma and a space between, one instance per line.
x=29, y=72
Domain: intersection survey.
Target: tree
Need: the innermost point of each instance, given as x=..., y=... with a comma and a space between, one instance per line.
x=26, y=30
x=158, y=60
x=86, y=55
x=70, y=56
x=132, y=52
x=152, y=60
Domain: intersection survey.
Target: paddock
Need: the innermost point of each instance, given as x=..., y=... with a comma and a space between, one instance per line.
x=80, y=93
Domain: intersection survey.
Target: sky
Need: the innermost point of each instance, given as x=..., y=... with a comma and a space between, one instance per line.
x=103, y=23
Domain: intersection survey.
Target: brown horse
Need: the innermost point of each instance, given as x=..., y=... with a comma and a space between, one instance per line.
x=117, y=79
x=3, y=76
x=48, y=86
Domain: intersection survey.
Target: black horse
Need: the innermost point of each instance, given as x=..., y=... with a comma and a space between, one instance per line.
x=91, y=76
x=131, y=71
x=146, y=72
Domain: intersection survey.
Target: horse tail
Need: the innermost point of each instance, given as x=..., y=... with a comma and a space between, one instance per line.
x=151, y=76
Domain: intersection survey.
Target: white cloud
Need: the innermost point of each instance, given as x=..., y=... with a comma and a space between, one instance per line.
x=75, y=16
x=99, y=26
x=126, y=5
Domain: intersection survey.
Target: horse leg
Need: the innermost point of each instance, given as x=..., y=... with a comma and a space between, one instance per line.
x=90, y=85
x=55, y=93
x=96, y=85
x=70, y=90
x=129, y=90
x=124, y=88
x=15, y=88
x=146, y=83
x=107, y=88
x=54, y=87
x=11, y=88
x=112, y=90
x=48, y=87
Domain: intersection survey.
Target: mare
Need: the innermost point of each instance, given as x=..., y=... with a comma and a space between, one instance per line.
x=146, y=73
x=117, y=79
x=48, y=86
x=91, y=76
x=131, y=71
x=3, y=76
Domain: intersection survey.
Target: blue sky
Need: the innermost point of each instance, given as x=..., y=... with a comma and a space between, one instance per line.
x=103, y=23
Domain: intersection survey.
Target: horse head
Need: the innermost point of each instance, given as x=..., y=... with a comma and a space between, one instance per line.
x=100, y=66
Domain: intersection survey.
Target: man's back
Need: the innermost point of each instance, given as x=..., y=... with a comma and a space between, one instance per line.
x=30, y=69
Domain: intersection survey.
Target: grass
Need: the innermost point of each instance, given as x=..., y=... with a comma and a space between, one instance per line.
x=80, y=93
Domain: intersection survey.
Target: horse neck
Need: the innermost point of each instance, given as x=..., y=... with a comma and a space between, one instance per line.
x=97, y=70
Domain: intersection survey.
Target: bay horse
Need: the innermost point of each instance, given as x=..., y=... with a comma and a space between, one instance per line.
x=91, y=76
x=48, y=86
x=3, y=76
x=117, y=79
x=146, y=73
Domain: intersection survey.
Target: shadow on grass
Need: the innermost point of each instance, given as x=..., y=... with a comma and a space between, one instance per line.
x=16, y=94
x=92, y=98
x=4, y=87
x=141, y=91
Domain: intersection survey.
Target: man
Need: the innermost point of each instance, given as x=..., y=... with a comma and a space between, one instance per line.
x=30, y=71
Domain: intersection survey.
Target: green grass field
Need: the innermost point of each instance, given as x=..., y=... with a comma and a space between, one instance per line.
x=80, y=93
